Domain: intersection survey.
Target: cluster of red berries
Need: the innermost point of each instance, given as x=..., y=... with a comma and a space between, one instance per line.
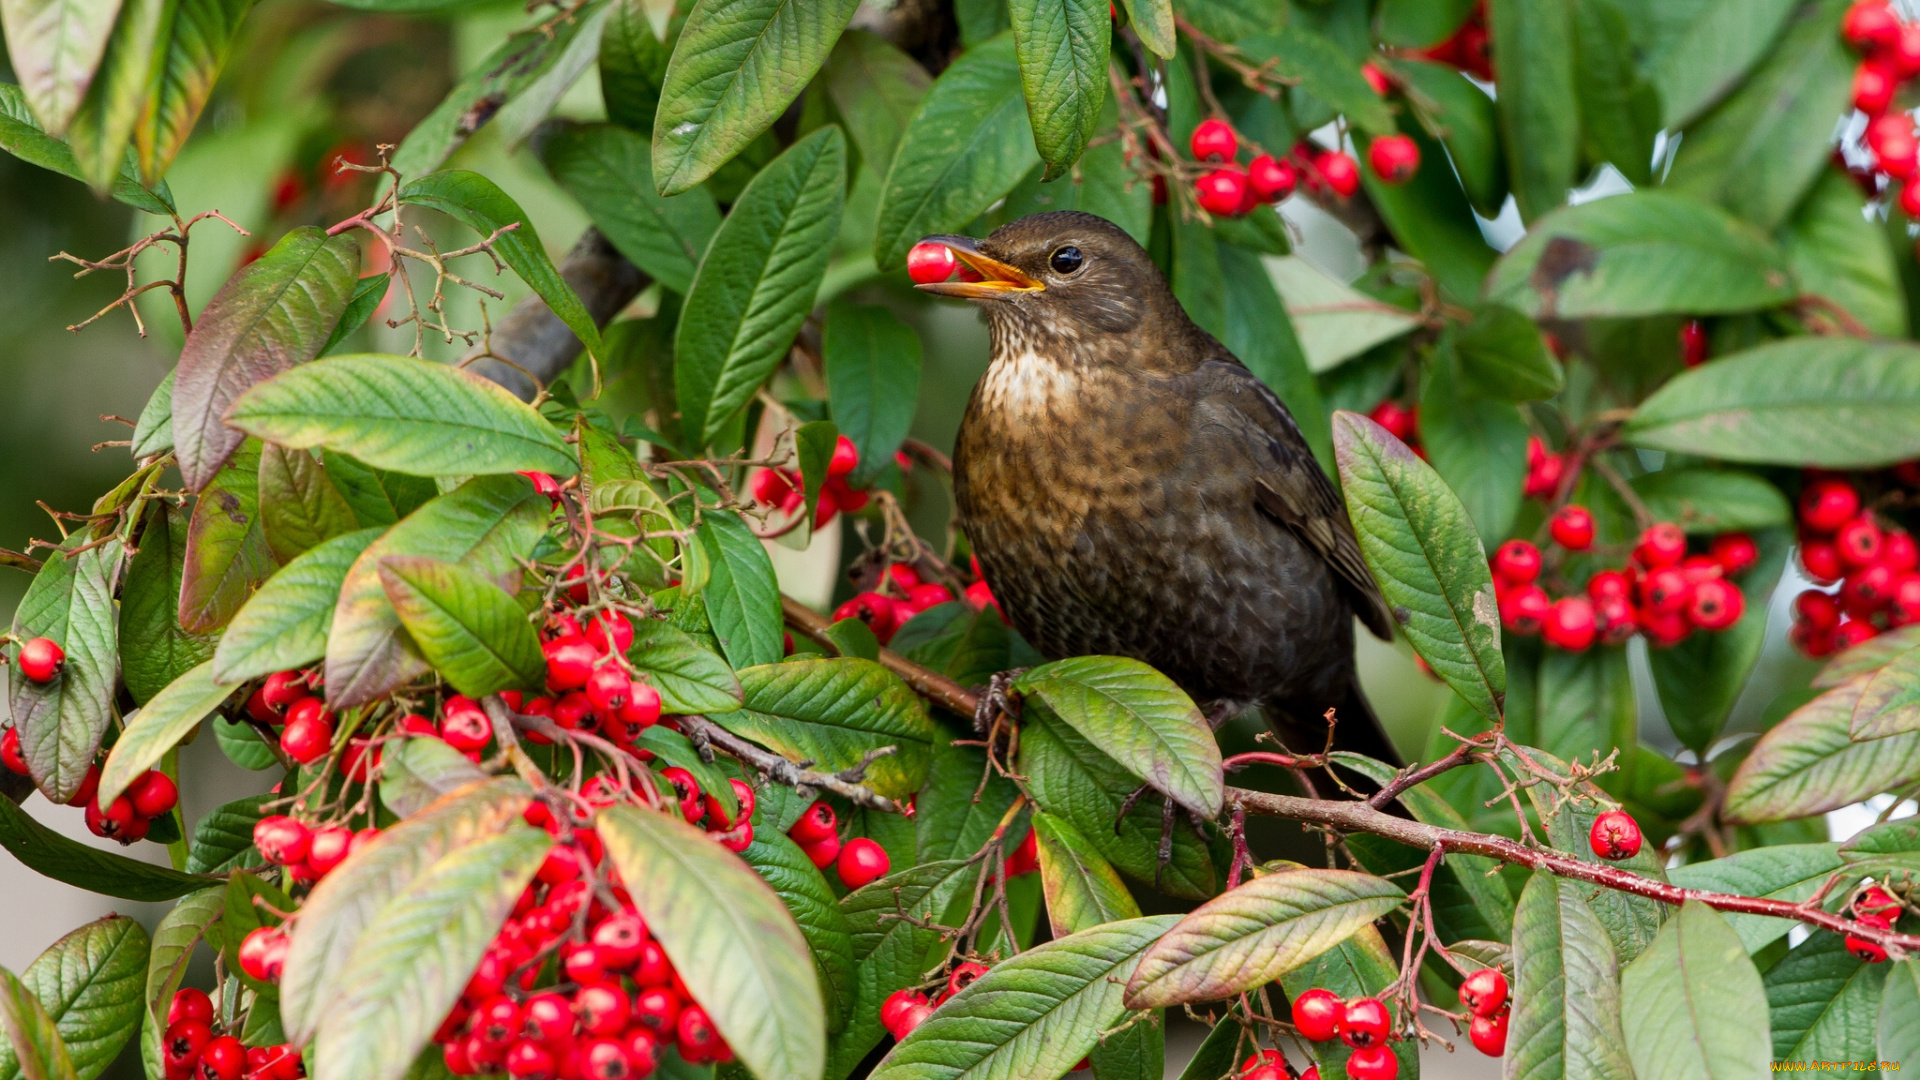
x=1470, y=48
x=907, y=1009
x=590, y=686
x=784, y=489
x=190, y=1050
x=858, y=861
x=308, y=852
x=1227, y=190
x=1615, y=836
x=1878, y=908
x=1661, y=591
x=292, y=701
x=1484, y=993
x=128, y=817
x=1272, y=1065
x=900, y=597
x=1878, y=570
x=1363, y=1024
x=1891, y=56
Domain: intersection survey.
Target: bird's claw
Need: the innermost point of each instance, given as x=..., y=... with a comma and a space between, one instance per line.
x=1164, y=856
x=998, y=698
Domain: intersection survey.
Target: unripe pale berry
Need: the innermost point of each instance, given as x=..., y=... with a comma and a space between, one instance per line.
x=1615, y=836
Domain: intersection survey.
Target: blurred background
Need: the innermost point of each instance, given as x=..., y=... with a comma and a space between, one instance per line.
x=310, y=83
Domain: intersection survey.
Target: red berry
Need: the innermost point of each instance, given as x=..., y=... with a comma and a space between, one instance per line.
x=1875, y=900
x=962, y=977
x=527, y=1060
x=465, y=726
x=609, y=688
x=1665, y=591
x=693, y=805
x=1221, y=192
x=1570, y=624
x=1870, y=952
x=698, y=1040
x=40, y=659
x=190, y=1003
x=569, y=661
x=1270, y=179
x=1615, y=836
x=606, y=1059
x=879, y=612
x=911, y=1018
x=1663, y=544
x=1874, y=85
x=1373, y=1063
x=1517, y=561
x=1364, y=1022
x=1401, y=422
x=1524, y=609
x=1572, y=527
x=1615, y=619
x=1716, y=605
x=1859, y=542
x=771, y=487
x=610, y=632
x=1340, y=172
x=581, y=964
x=1852, y=632
x=817, y=822
x=823, y=853
x=1821, y=560
x=898, y=1005
x=573, y=711
x=10, y=752
x=1898, y=156
x=846, y=458
x=1867, y=590
x=1870, y=25
x=1489, y=1034
x=620, y=940
x=657, y=1008
x=742, y=794
x=562, y=864
x=89, y=787
x=546, y=1018
x=281, y=839
x=184, y=1040
x=1818, y=609
x=283, y=688
x=309, y=731
x=1826, y=505
x=1381, y=83
x=1484, y=992
x=223, y=1058
x=927, y=263
x=1316, y=1013
x=496, y=1022
x=602, y=1009
x=358, y=759
x=1694, y=346
x=1214, y=139
x=1394, y=158
x=1735, y=552
x=861, y=861
x=1904, y=608
x=328, y=848
x=263, y=952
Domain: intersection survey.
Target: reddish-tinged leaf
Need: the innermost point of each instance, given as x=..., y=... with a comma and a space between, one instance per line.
x=227, y=553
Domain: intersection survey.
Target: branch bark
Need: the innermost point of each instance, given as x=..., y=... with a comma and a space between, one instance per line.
x=534, y=339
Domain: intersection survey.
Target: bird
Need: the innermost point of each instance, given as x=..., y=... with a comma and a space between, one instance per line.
x=1130, y=488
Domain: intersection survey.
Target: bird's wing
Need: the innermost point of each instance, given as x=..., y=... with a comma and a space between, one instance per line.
x=1291, y=487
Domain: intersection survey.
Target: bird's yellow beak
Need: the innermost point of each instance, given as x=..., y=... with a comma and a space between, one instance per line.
x=994, y=279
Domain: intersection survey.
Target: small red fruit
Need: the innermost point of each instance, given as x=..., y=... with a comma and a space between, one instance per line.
x=1373, y=1063
x=1716, y=605
x=1340, y=172
x=1867, y=590
x=569, y=661
x=1874, y=85
x=1852, y=632
x=1271, y=179
x=328, y=848
x=183, y=1042
x=283, y=688
x=1572, y=527
x=696, y=1036
x=263, y=952
x=822, y=853
x=1524, y=609
x=693, y=804
x=898, y=1005
x=1364, y=1022
x=281, y=839
x=40, y=659
x=817, y=822
x=609, y=688
x=1870, y=25
x=1875, y=900
x=610, y=632
x=1489, y=1034
x=1825, y=505
x=527, y=1060
x=879, y=612
x=223, y=1058
x=602, y=1009
x=1394, y=158
x=927, y=263
x=1484, y=992
x=1818, y=609
x=1570, y=624
x=1821, y=560
x=1221, y=192
x=1316, y=1013
x=1517, y=561
x=845, y=459
x=620, y=940
x=465, y=725
x=1665, y=591
x=190, y=1003
x=1694, y=346
x=1867, y=951
x=1663, y=544
x=1401, y=422
x=309, y=731
x=10, y=753
x=861, y=862
x=1214, y=139
x=1377, y=79
x=1615, y=836
x=1735, y=552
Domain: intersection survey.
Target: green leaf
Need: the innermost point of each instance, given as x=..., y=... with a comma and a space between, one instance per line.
x=252, y=903
x=1139, y=718
x=1062, y=49
x=1824, y=1003
x=518, y=118
x=1431, y=218
x=153, y=431
x=487, y=524
x=1692, y=1002
x=807, y=896
x=1619, y=112
x=1713, y=500
x=876, y=88
x=223, y=839
x=1789, y=872
x=347, y=905
x=1503, y=356
x=1700, y=678
x=103, y=126
x=634, y=50
x=30, y=1033
x=299, y=506
x=480, y=205
x=1420, y=23
x=378, y=497
x=1759, y=150
x=470, y=630
x=270, y=317
x=415, y=772
x=1034, y=1015
x=21, y=136
x=609, y=169
x=1643, y=253
x=158, y=727
x=1699, y=52
x=1256, y=933
x=1152, y=20
x=742, y=597
x=202, y=35
x=405, y=414
x=1458, y=113
x=962, y=803
x=1566, y=988
x=1324, y=71
x=738, y=65
x=52, y=855
x=174, y=938
x=690, y=677
x=730, y=938
x=1357, y=967
x=1259, y=331
x=1899, y=1026
x=243, y=745
x=1082, y=889
x=966, y=147
x=368, y=292
x=1071, y=778
x=1477, y=445
x=1827, y=402
x=1837, y=253
x=154, y=650
x=814, y=444
x=1890, y=702
x=749, y=298
x=91, y=984
x=285, y=624
x=227, y=553
x=835, y=711
x=54, y=47
x=1428, y=560
x=415, y=958
x=1538, y=114
x=62, y=721
x=873, y=381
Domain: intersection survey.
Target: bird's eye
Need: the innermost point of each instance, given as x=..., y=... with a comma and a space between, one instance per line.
x=1066, y=260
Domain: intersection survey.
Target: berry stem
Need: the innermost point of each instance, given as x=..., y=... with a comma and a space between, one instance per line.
x=845, y=784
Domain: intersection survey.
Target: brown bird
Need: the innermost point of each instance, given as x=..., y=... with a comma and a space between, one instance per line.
x=1132, y=489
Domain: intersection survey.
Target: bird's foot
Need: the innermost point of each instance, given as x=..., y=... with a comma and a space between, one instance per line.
x=1168, y=808
x=996, y=699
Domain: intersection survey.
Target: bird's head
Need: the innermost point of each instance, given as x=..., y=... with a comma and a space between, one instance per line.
x=1062, y=274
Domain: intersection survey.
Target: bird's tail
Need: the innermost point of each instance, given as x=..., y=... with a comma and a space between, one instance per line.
x=1302, y=725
